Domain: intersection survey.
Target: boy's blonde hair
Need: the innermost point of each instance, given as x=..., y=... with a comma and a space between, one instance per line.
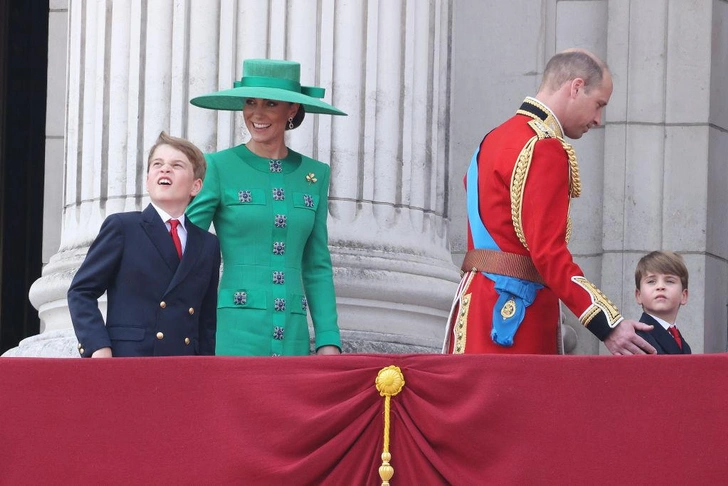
x=195, y=156
x=665, y=262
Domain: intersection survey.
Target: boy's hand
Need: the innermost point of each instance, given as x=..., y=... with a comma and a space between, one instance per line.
x=328, y=350
x=624, y=340
x=102, y=353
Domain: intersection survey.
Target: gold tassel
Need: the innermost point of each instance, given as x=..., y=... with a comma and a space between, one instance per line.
x=389, y=382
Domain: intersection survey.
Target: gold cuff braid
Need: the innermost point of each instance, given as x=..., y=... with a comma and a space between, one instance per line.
x=600, y=302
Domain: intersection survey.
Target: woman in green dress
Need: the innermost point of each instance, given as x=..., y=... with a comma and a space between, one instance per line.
x=269, y=207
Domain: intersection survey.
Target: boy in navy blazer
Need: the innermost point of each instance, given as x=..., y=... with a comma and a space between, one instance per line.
x=159, y=270
x=661, y=279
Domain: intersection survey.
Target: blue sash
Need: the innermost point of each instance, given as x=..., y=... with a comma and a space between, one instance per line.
x=514, y=294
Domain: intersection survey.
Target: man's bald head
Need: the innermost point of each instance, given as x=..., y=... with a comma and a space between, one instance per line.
x=576, y=87
x=571, y=64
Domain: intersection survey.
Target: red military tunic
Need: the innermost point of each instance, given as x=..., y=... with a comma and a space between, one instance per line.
x=527, y=174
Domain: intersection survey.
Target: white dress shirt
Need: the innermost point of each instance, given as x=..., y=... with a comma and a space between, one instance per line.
x=181, y=230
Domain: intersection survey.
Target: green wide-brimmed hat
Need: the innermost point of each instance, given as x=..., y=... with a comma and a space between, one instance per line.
x=268, y=79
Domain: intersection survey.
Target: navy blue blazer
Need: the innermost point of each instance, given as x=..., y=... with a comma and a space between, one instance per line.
x=157, y=304
x=661, y=339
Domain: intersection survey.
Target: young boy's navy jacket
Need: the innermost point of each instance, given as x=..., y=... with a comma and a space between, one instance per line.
x=662, y=340
x=158, y=305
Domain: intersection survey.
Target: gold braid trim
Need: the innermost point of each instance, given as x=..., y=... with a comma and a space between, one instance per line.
x=460, y=325
x=518, y=185
x=550, y=128
x=574, y=180
x=569, y=224
x=574, y=183
x=520, y=173
x=600, y=303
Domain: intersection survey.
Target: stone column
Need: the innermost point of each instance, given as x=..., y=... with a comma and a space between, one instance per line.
x=389, y=160
x=134, y=65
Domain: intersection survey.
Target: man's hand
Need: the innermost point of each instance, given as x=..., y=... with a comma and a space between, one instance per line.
x=624, y=340
x=327, y=350
x=102, y=353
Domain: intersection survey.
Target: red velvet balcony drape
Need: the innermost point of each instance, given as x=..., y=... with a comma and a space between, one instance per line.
x=318, y=420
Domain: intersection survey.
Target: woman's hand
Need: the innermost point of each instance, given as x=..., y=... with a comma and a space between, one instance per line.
x=327, y=350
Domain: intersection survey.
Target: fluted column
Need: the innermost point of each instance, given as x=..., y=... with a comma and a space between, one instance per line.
x=134, y=65
x=388, y=231
x=96, y=173
x=127, y=81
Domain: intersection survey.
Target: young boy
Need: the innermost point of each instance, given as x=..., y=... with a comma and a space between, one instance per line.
x=661, y=279
x=160, y=277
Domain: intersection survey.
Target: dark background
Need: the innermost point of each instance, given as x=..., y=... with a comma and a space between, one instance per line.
x=23, y=89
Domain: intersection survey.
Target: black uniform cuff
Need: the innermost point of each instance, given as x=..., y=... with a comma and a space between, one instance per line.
x=599, y=326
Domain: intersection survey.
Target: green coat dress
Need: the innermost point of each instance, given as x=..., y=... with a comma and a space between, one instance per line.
x=270, y=218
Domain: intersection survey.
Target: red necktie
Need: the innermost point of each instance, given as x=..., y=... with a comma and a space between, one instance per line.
x=175, y=237
x=676, y=335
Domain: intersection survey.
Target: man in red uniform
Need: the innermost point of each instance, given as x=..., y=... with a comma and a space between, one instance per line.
x=519, y=186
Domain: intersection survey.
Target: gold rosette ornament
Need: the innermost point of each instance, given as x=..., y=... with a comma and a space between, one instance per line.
x=389, y=382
